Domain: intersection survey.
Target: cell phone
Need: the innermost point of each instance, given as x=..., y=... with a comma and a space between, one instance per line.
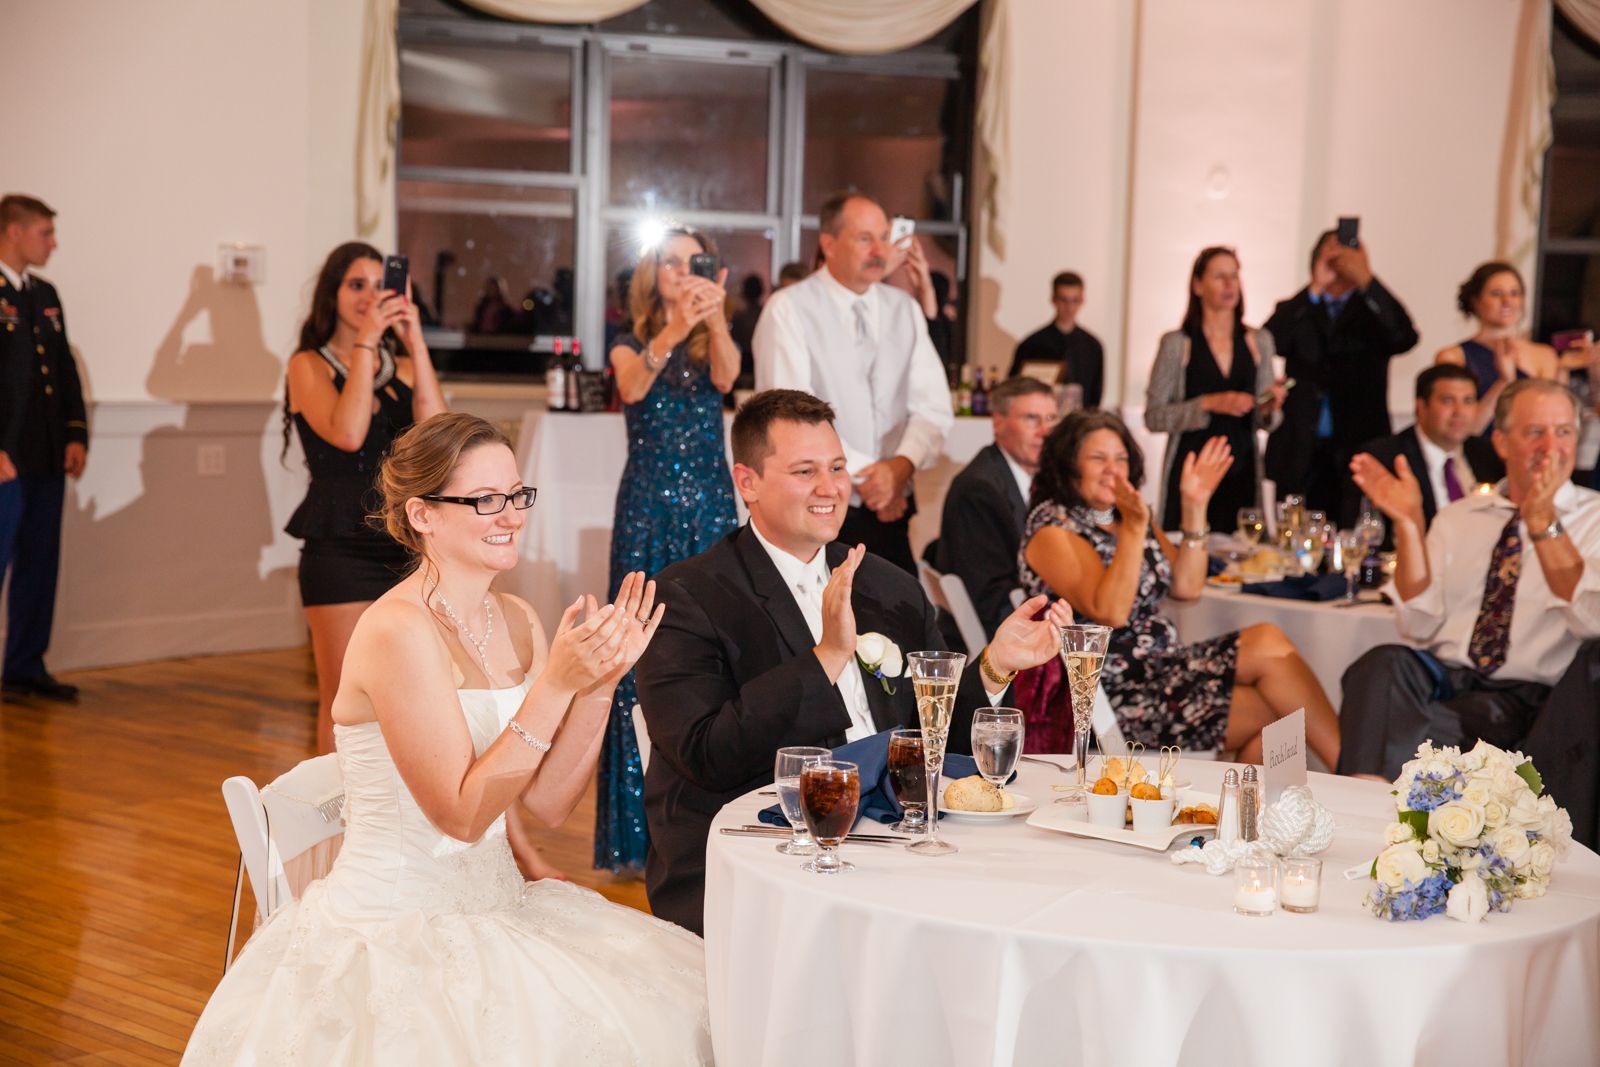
x=901, y=228
x=1568, y=338
x=1349, y=231
x=703, y=265
x=396, y=271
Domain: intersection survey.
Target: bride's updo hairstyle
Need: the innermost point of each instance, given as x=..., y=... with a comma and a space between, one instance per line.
x=421, y=463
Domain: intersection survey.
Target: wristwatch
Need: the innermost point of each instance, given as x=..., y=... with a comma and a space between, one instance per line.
x=1555, y=529
x=990, y=673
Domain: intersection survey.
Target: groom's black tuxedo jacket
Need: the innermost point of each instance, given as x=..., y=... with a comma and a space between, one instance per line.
x=731, y=677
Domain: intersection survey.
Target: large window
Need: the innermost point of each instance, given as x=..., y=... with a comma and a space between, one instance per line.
x=532, y=159
x=1569, y=247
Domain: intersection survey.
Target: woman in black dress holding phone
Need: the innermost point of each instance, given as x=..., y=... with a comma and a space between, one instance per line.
x=362, y=376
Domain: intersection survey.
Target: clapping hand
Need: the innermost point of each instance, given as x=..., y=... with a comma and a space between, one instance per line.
x=1551, y=471
x=639, y=615
x=838, y=642
x=588, y=655
x=1397, y=495
x=1203, y=471
x=1505, y=359
x=1022, y=641
x=1131, y=506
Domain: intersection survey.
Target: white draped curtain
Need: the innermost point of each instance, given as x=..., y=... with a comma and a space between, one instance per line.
x=1528, y=128
x=850, y=26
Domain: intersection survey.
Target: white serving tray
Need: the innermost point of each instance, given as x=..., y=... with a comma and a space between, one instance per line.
x=1053, y=817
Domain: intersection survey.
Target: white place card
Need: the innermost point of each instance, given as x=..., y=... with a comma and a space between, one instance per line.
x=1283, y=751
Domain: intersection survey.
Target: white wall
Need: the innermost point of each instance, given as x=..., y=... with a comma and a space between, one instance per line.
x=158, y=130
x=1253, y=123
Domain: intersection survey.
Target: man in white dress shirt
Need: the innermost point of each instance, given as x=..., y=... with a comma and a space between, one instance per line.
x=757, y=649
x=1441, y=442
x=844, y=336
x=1497, y=597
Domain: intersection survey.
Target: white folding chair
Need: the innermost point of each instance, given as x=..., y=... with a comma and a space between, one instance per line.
x=277, y=828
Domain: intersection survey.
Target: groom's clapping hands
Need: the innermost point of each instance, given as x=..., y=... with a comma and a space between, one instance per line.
x=838, y=642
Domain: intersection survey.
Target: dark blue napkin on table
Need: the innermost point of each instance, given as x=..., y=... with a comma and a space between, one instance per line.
x=1305, y=587
x=871, y=755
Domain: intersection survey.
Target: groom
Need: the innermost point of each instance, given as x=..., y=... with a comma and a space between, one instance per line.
x=757, y=648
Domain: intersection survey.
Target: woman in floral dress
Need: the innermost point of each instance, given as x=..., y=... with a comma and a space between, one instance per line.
x=1089, y=540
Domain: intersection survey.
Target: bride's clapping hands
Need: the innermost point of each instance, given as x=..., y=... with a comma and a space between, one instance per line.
x=640, y=615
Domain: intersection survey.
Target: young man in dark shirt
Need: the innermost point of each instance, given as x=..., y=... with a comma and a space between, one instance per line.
x=1063, y=341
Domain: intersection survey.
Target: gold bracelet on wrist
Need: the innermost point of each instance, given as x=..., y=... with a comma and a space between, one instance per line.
x=1195, y=538
x=989, y=671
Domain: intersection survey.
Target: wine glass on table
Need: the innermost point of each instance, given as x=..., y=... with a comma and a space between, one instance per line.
x=996, y=743
x=1083, y=651
x=1350, y=553
x=908, y=777
x=830, y=793
x=935, y=676
x=1251, y=526
x=786, y=776
x=1311, y=543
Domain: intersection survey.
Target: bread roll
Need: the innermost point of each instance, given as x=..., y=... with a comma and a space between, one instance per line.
x=973, y=794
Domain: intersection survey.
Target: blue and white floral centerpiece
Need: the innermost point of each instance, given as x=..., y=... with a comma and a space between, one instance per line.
x=1471, y=834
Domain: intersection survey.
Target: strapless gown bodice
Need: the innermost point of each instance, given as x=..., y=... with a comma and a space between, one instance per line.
x=420, y=949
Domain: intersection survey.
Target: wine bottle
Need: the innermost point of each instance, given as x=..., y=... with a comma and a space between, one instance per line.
x=555, y=380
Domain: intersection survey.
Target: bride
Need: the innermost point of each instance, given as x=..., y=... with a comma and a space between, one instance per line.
x=424, y=945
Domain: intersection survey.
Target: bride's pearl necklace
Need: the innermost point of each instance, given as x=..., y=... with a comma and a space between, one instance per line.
x=481, y=646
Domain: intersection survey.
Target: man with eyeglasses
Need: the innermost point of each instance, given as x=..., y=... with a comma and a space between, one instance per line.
x=1077, y=352
x=987, y=503
x=845, y=337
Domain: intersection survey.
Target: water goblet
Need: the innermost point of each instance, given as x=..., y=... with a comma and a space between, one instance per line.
x=1083, y=651
x=935, y=676
x=786, y=776
x=997, y=743
x=830, y=794
x=908, y=777
x=1251, y=526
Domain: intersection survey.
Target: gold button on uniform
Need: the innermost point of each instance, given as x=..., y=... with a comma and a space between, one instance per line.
x=44, y=368
x=48, y=390
x=41, y=349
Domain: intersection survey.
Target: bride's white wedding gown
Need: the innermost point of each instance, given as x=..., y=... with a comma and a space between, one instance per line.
x=420, y=949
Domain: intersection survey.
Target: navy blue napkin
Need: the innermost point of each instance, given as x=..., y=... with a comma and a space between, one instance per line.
x=871, y=755
x=1305, y=587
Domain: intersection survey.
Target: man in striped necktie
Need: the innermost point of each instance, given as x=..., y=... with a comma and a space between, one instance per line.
x=1495, y=600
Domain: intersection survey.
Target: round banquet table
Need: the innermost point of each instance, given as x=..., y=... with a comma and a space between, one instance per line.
x=1031, y=947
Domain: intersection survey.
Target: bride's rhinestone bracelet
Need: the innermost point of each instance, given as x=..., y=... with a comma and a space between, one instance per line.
x=542, y=746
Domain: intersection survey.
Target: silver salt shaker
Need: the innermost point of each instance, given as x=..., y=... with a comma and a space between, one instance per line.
x=1228, y=808
x=1250, y=805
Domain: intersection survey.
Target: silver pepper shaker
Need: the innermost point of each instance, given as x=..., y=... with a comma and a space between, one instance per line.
x=1250, y=804
x=1228, y=808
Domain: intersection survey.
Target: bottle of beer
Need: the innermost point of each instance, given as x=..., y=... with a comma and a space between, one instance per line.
x=964, y=392
x=980, y=395
x=555, y=380
x=575, y=377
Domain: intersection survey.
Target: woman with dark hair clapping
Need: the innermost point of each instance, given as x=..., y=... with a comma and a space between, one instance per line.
x=1089, y=541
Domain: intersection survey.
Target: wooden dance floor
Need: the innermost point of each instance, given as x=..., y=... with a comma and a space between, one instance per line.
x=117, y=860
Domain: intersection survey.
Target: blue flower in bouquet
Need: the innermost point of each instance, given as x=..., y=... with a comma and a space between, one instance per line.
x=1498, y=875
x=1430, y=789
x=1412, y=900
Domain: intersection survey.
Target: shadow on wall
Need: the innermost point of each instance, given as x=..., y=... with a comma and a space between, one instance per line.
x=162, y=547
x=995, y=345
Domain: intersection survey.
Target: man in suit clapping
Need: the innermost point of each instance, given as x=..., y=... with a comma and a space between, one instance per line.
x=1440, y=448
x=756, y=650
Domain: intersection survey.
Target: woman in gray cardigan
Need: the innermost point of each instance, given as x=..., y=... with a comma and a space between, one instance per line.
x=1204, y=384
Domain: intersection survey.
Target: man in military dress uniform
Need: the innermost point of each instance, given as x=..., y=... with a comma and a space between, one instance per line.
x=44, y=437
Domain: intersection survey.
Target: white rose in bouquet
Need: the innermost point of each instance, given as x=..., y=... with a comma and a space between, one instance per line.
x=1457, y=823
x=1479, y=791
x=1430, y=851
x=1541, y=857
x=1468, y=900
x=1557, y=827
x=1525, y=813
x=1512, y=843
x=1533, y=887
x=1400, y=863
x=1396, y=833
x=1494, y=813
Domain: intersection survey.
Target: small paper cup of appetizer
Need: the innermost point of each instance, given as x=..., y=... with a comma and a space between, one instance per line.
x=1108, y=805
x=1151, y=813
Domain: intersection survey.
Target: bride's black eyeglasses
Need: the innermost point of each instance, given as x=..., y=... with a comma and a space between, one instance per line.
x=492, y=503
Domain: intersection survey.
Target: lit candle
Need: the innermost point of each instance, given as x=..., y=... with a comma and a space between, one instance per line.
x=1255, y=901
x=1300, y=892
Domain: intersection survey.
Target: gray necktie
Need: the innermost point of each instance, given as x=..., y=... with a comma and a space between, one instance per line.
x=863, y=335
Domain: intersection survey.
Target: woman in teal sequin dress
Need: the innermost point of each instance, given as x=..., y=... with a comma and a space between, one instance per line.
x=676, y=496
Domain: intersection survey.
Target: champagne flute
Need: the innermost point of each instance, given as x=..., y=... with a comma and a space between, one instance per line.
x=996, y=743
x=1083, y=650
x=786, y=776
x=1251, y=526
x=1351, y=551
x=934, y=678
x=830, y=794
x=908, y=777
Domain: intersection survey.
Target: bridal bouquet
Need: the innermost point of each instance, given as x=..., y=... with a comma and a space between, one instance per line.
x=1471, y=833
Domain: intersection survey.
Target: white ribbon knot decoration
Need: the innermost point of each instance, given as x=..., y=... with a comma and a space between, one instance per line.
x=1295, y=826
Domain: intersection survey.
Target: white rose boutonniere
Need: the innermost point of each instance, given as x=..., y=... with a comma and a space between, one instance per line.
x=881, y=658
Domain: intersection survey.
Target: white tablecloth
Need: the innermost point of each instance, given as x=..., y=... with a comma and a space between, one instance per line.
x=576, y=463
x=1329, y=638
x=1035, y=948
